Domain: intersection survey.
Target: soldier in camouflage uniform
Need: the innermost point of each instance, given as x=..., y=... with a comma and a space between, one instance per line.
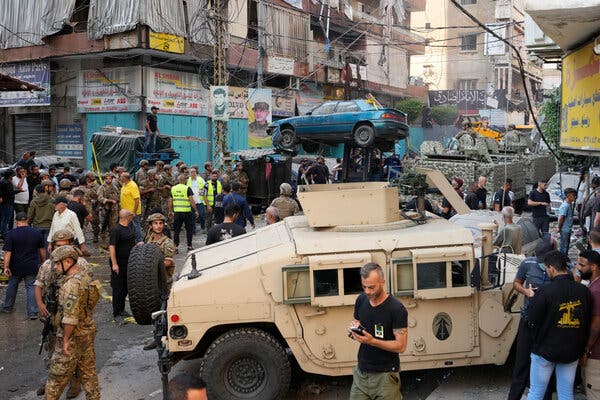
x=165, y=182
x=108, y=201
x=90, y=201
x=240, y=176
x=46, y=277
x=64, y=189
x=142, y=173
x=284, y=203
x=166, y=245
x=117, y=181
x=75, y=327
x=150, y=196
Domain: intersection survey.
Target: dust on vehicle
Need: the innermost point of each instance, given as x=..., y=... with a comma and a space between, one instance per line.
x=253, y=305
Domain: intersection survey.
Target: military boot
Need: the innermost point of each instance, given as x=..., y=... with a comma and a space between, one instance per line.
x=41, y=390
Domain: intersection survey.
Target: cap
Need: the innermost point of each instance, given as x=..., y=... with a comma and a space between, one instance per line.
x=61, y=199
x=154, y=108
x=21, y=216
x=156, y=217
x=285, y=189
x=64, y=252
x=261, y=105
x=144, y=162
x=543, y=247
x=63, y=234
x=109, y=174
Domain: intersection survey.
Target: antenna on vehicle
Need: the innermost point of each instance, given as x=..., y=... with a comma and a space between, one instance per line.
x=194, y=273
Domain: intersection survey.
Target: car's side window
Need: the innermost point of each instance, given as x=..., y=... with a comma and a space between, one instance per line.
x=431, y=275
x=326, y=282
x=326, y=108
x=296, y=284
x=347, y=106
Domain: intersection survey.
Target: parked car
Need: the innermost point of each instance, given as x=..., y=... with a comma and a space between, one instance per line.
x=45, y=162
x=334, y=122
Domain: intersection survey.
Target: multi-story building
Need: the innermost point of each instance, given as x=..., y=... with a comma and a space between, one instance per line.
x=106, y=62
x=462, y=56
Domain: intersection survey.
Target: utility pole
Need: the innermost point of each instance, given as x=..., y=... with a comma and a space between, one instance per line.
x=220, y=139
x=260, y=29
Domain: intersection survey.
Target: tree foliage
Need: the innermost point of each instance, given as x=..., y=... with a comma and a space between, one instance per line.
x=551, y=110
x=444, y=115
x=413, y=107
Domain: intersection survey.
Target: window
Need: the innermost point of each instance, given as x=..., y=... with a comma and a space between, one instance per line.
x=431, y=275
x=467, y=2
x=327, y=108
x=460, y=273
x=347, y=106
x=296, y=284
x=467, y=84
x=468, y=42
x=405, y=283
x=326, y=282
x=352, y=282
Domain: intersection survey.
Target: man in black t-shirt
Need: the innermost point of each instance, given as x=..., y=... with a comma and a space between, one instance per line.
x=122, y=240
x=502, y=198
x=151, y=131
x=380, y=325
x=481, y=192
x=78, y=208
x=319, y=173
x=228, y=228
x=539, y=200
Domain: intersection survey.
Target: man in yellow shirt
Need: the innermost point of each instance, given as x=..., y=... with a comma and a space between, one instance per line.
x=130, y=200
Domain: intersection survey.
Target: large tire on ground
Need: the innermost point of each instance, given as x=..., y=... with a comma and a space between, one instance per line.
x=310, y=147
x=364, y=135
x=288, y=139
x=146, y=281
x=246, y=363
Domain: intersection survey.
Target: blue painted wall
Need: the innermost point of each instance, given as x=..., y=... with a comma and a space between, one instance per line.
x=191, y=152
x=237, y=129
x=94, y=121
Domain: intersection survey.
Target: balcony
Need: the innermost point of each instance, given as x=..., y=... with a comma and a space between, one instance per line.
x=567, y=23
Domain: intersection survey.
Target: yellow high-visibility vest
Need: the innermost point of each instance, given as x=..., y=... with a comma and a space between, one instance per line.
x=181, y=201
x=210, y=192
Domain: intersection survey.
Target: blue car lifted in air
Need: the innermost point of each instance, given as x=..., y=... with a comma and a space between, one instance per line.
x=334, y=122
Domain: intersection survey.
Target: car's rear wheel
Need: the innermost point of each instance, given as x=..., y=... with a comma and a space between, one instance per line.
x=288, y=139
x=310, y=147
x=364, y=135
x=246, y=363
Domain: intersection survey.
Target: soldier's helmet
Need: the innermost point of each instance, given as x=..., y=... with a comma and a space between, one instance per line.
x=156, y=217
x=109, y=174
x=143, y=162
x=285, y=189
x=47, y=182
x=62, y=234
x=64, y=252
x=65, y=184
x=90, y=175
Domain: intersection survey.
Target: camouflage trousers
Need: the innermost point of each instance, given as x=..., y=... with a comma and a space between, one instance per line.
x=81, y=359
x=94, y=212
x=50, y=347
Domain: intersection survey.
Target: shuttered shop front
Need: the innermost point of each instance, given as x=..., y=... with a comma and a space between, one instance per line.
x=32, y=132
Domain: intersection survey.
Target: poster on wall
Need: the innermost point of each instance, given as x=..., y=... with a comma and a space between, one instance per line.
x=37, y=73
x=238, y=102
x=109, y=90
x=69, y=141
x=219, y=105
x=284, y=103
x=175, y=92
x=580, y=124
x=259, y=117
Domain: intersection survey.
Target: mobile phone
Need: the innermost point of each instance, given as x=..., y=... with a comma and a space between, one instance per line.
x=358, y=330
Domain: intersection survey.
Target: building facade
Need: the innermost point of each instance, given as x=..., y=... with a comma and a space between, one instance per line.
x=107, y=62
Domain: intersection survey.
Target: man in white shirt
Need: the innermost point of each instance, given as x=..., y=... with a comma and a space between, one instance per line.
x=19, y=182
x=196, y=183
x=66, y=219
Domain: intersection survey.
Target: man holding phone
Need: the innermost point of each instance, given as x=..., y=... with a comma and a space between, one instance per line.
x=380, y=326
x=531, y=275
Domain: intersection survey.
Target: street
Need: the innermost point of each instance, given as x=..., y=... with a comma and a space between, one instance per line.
x=127, y=371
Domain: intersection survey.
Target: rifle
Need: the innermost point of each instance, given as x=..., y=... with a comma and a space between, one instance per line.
x=106, y=220
x=52, y=306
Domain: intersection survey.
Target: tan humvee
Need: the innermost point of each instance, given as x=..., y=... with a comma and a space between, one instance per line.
x=287, y=291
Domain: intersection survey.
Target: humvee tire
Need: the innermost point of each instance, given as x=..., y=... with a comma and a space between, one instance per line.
x=246, y=363
x=364, y=135
x=288, y=138
x=146, y=281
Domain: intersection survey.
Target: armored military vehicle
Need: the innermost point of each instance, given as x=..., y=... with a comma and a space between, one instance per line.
x=252, y=305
